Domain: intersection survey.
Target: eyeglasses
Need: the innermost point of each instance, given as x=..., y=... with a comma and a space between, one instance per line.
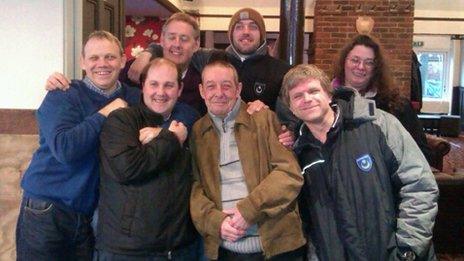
x=356, y=61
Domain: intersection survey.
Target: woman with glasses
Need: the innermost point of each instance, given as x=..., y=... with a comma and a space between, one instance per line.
x=361, y=65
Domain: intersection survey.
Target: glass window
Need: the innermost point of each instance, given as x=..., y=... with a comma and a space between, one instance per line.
x=433, y=74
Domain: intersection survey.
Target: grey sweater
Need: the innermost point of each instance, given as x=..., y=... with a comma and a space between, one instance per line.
x=233, y=186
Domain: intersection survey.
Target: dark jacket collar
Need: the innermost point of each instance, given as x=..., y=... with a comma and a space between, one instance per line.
x=149, y=115
x=261, y=51
x=304, y=137
x=355, y=108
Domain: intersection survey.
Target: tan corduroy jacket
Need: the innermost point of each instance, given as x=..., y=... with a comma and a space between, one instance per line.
x=272, y=175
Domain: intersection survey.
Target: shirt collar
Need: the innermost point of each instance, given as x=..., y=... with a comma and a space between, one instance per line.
x=96, y=89
x=184, y=73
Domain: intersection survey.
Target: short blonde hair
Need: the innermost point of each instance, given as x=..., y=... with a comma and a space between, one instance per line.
x=103, y=35
x=301, y=73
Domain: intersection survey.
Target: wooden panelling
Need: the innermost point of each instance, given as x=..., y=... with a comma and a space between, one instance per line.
x=103, y=15
x=14, y=121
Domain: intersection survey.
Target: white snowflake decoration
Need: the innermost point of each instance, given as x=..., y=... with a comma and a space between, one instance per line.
x=130, y=31
x=135, y=51
x=148, y=32
x=154, y=37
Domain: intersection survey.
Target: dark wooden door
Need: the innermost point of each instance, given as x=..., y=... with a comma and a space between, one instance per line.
x=461, y=106
x=105, y=15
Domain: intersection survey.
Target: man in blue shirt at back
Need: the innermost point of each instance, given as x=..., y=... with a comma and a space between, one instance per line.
x=61, y=183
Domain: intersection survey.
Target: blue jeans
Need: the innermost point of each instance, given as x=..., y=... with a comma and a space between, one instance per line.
x=187, y=253
x=48, y=232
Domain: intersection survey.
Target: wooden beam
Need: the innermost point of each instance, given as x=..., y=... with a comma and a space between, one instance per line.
x=168, y=5
x=291, y=37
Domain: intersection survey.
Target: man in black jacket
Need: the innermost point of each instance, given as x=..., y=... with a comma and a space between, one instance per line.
x=369, y=193
x=260, y=74
x=146, y=175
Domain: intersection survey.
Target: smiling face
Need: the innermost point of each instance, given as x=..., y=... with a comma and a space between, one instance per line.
x=102, y=62
x=220, y=89
x=161, y=88
x=359, y=67
x=246, y=36
x=179, y=43
x=310, y=102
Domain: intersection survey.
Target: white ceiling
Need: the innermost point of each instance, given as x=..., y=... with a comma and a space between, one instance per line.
x=153, y=8
x=457, y=5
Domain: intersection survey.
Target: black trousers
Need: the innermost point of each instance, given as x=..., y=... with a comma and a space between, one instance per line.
x=294, y=255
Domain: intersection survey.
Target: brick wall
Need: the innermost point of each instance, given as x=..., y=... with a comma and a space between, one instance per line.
x=335, y=24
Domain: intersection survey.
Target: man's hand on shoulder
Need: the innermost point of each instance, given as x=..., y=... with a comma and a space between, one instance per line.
x=116, y=104
x=147, y=134
x=137, y=66
x=57, y=81
x=256, y=106
x=286, y=137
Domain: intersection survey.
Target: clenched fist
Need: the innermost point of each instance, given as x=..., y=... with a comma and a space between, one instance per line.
x=179, y=129
x=116, y=104
x=147, y=134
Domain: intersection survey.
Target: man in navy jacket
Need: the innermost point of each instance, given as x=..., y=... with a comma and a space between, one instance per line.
x=369, y=193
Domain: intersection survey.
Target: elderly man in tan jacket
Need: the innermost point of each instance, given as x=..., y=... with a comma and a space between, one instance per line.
x=243, y=200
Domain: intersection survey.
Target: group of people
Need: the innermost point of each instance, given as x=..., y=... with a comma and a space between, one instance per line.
x=226, y=155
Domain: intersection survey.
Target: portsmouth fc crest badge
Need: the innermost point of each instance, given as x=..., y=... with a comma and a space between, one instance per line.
x=364, y=162
x=259, y=87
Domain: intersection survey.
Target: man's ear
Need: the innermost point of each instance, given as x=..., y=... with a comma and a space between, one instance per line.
x=197, y=44
x=161, y=42
x=201, y=91
x=239, y=89
x=123, y=61
x=81, y=62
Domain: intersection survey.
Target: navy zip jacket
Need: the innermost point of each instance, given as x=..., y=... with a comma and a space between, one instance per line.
x=368, y=191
